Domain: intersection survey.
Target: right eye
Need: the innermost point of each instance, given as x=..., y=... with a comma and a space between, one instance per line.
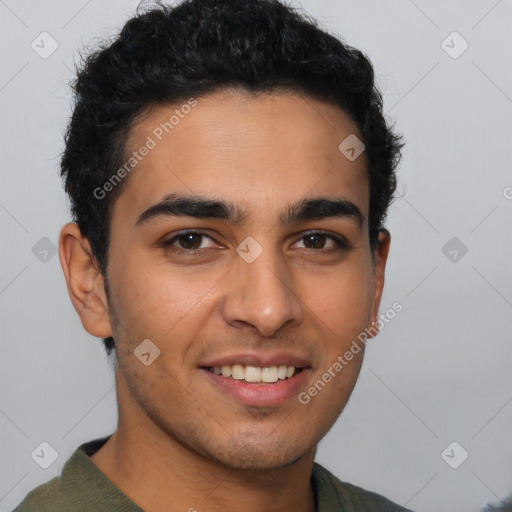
x=188, y=242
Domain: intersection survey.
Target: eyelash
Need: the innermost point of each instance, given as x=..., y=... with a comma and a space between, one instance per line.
x=168, y=244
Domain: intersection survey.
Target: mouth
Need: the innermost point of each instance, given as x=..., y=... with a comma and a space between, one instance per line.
x=255, y=374
x=257, y=386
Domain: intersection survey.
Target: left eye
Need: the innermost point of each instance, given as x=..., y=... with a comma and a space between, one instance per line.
x=318, y=240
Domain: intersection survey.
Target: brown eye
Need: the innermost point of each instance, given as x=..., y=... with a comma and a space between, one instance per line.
x=190, y=240
x=314, y=241
x=321, y=242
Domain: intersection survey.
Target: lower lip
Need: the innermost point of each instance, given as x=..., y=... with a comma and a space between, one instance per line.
x=259, y=395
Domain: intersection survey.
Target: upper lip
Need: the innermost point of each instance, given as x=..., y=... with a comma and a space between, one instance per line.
x=262, y=360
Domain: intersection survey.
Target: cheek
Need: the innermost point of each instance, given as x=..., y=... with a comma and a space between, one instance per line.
x=150, y=300
x=343, y=300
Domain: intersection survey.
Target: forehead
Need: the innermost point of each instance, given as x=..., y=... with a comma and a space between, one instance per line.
x=255, y=150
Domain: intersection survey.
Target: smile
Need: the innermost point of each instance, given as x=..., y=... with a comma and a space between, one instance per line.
x=246, y=384
x=256, y=374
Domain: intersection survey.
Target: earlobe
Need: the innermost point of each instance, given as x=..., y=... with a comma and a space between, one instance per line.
x=84, y=281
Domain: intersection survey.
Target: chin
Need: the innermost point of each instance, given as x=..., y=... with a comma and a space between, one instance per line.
x=256, y=462
x=251, y=455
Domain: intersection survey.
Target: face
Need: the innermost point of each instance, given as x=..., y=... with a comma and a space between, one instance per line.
x=278, y=275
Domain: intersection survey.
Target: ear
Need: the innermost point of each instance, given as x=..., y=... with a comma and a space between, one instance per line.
x=379, y=266
x=84, y=281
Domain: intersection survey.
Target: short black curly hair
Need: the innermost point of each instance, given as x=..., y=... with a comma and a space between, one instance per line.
x=168, y=54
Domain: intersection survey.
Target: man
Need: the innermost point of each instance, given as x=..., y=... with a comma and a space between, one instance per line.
x=229, y=170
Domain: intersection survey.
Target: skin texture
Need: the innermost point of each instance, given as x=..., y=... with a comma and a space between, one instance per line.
x=180, y=440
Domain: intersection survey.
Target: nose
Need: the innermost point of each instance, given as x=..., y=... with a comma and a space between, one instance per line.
x=261, y=295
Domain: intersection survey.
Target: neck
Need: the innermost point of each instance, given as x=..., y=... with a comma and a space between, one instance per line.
x=154, y=476
x=155, y=471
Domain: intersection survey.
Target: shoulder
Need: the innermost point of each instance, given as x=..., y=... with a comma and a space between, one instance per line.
x=81, y=487
x=333, y=491
x=76, y=489
x=45, y=498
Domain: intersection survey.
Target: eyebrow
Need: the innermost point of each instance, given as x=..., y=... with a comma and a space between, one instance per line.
x=203, y=208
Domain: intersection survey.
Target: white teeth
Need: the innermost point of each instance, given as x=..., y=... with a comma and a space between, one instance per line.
x=252, y=374
x=238, y=372
x=226, y=371
x=255, y=373
x=269, y=374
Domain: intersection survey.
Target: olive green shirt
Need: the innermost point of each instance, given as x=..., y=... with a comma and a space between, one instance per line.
x=82, y=487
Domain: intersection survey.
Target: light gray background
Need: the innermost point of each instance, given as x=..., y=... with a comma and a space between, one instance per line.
x=439, y=372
